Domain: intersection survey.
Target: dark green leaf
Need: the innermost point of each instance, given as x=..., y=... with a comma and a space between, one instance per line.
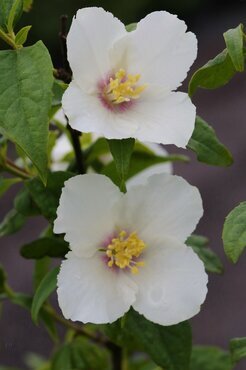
x=210, y=358
x=12, y=223
x=49, y=325
x=25, y=205
x=234, y=232
x=2, y=279
x=41, y=269
x=217, y=72
x=21, y=36
x=234, y=39
x=5, y=9
x=97, y=149
x=207, y=147
x=5, y=184
x=169, y=347
x=47, y=198
x=209, y=258
x=238, y=349
x=51, y=247
x=45, y=288
x=131, y=27
x=121, y=151
x=24, y=106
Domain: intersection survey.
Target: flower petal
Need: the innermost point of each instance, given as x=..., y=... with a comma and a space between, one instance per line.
x=88, y=291
x=87, y=212
x=92, y=33
x=167, y=205
x=159, y=49
x=172, y=284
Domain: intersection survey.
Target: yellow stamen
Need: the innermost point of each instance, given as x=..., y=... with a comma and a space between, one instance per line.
x=123, y=87
x=124, y=250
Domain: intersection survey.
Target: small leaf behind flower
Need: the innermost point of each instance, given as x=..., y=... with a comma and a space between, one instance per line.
x=234, y=232
x=238, y=349
x=207, y=146
x=45, y=247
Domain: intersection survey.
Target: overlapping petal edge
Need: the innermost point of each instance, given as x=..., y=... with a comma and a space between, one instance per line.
x=168, y=289
x=159, y=53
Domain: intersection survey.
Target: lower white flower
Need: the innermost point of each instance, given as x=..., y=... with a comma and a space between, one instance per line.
x=128, y=250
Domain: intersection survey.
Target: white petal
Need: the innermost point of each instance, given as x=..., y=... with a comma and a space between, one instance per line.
x=166, y=206
x=86, y=113
x=87, y=212
x=172, y=284
x=165, y=119
x=89, y=291
x=60, y=117
x=62, y=147
x=92, y=33
x=159, y=49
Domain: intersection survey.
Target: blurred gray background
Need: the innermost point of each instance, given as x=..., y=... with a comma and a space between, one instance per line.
x=223, y=316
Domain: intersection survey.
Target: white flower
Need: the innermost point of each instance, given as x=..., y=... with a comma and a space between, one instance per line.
x=128, y=250
x=123, y=82
x=63, y=147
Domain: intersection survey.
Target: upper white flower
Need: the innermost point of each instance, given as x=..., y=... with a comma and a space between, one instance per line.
x=123, y=82
x=128, y=250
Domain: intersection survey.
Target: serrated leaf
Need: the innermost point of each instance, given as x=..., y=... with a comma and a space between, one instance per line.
x=24, y=105
x=121, y=151
x=21, y=36
x=12, y=223
x=5, y=184
x=234, y=232
x=238, y=349
x=215, y=73
x=47, y=198
x=169, y=347
x=211, y=261
x=44, y=290
x=210, y=358
x=207, y=146
x=45, y=247
x=5, y=9
x=234, y=39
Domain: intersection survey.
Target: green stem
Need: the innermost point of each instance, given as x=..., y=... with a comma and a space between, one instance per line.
x=10, y=167
x=9, y=40
x=124, y=359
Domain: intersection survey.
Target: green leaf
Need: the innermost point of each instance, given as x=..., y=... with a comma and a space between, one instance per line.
x=21, y=36
x=121, y=151
x=169, y=347
x=216, y=73
x=211, y=261
x=207, y=147
x=238, y=349
x=45, y=288
x=5, y=8
x=27, y=6
x=2, y=279
x=51, y=247
x=41, y=269
x=12, y=223
x=210, y=358
x=58, y=90
x=234, y=39
x=234, y=232
x=25, y=205
x=97, y=149
x=131, y=27
x=24, y=106
x=15, y=12
x=5, y=184
x=49, y=325
x=47, y=198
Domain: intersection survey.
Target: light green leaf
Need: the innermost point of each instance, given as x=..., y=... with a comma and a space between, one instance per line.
x=5, y=184
x=5, y=9
x=215, y=73
x=44, y=290
x=121, y=151
x=234, y=39
x=21, y=36
x=51, y=247
x=169, y=347
x=234, y=232
x=207, y=146
x=47, y=198
x=238, y=349
x=12, y=223
x=210, y=358
x=24, y=105
x=15, y=12
x=211, y=261
x=131, y=27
